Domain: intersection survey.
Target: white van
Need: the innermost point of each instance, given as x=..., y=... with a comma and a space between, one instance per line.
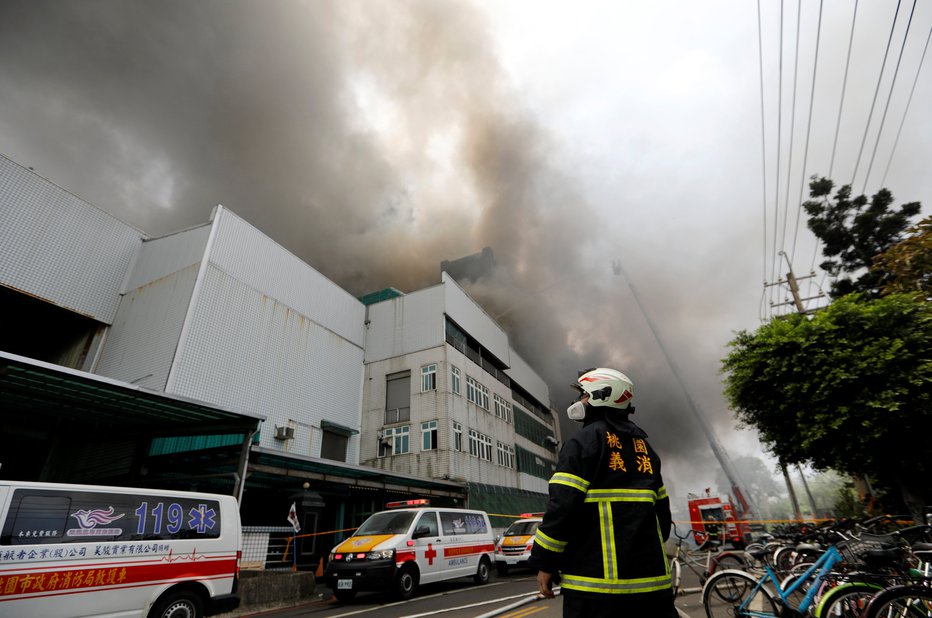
x=411, y=544
x=513, y=549
x=86, y=550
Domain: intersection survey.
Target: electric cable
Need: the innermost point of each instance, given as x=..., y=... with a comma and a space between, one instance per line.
x=802, y=182
x=844, y=86
x=886, y=107
x=776, y=202
x=906, y=111
x=870, y=115
x=789, y=165
x=763, y=138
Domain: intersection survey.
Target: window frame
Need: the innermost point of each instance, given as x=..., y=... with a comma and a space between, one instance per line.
x=428, y=377
x=429, y=432
x=401, y=436
x=457, y=436
x=455, y=380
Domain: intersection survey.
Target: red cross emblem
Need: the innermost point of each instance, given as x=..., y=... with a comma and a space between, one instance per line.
x=430, y=554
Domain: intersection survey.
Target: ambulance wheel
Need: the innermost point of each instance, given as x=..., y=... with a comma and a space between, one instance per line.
x=406, y=582
x=501, y=568
x=179, y=604
x=344, y=596
x=482, y=574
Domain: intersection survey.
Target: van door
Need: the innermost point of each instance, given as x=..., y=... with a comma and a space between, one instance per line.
x=428, y=547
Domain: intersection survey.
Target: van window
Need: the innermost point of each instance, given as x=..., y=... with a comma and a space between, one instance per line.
x=522, y=528
x=429, y=519
x=387, y=522
x=41, y=516
x=463, y=523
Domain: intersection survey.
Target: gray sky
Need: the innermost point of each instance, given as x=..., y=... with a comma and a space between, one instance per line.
x=374, y=139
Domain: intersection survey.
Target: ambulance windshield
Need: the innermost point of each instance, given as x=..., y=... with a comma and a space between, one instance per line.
x=387, y=522
x=522, y=528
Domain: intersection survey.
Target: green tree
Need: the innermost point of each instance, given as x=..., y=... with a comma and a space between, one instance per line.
x=909, y=262
x=848, y=389
x=853, y=232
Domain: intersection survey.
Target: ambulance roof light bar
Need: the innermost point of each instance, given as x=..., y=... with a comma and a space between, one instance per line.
x=407, y=503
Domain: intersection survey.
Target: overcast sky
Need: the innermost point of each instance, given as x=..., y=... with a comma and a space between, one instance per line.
x=374, y=139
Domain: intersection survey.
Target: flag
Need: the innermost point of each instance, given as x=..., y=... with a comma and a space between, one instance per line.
x=293, y=518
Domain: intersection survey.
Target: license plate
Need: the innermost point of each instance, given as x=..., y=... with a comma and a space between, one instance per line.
x=344, y=584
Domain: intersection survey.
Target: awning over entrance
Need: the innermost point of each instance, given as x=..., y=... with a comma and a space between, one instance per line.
x=59, y=423
x=270, y=467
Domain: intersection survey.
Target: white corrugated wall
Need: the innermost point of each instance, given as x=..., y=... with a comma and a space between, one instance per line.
x=56, y=246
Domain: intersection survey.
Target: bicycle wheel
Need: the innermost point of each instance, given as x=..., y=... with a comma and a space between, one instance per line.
x=676, y=571
x=901, y=602
x=783, y=559
x=733, y=594
x=728, y=560
x=846, y=601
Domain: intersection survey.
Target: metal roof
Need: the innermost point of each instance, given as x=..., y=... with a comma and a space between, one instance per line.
x=33, y=392
x=288, y=465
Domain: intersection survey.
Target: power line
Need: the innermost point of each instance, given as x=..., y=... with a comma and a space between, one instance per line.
x=844, y=86
x=763, y=136
x=789, y=165
x=906, y=111
x=776, y=202
x=802, y=181
x=886, y=108
x=876, y=91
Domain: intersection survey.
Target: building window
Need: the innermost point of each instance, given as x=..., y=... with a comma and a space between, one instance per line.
x=485, y=447
x=455, y=380
x=506, y=455
x=477, y=393
x=398, y=397
x=429, y=377
x=429, y=436
x=394, y=441
x=457, y=437
x=502, y=409
x=480, y=445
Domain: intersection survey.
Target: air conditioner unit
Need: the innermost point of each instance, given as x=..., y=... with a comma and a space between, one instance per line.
x=284, y=433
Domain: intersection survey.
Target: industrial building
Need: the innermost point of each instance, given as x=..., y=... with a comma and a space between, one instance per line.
x=213, y=358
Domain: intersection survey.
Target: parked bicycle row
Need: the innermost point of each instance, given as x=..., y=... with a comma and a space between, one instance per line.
x=848, y=569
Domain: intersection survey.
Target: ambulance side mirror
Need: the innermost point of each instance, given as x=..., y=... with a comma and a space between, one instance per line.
x=421, y=531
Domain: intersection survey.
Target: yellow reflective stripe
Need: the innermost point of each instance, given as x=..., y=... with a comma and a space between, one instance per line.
x=621, y=495
x=608, y=540
x=570, y=480
x=666, y=561
x=615, y=586
x=548, y=542
x=662, y=493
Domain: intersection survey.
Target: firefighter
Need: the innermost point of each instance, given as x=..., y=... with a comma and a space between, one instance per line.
x=602, y=536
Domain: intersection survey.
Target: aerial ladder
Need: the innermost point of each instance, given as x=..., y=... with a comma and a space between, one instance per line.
x=741, y=499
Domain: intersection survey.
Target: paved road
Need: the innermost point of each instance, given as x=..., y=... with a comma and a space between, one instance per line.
x=513, y=596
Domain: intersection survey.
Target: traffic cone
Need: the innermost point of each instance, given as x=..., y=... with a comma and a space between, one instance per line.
x=320, y=568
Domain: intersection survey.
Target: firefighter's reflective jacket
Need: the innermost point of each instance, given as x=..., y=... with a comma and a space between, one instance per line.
x=608, y=514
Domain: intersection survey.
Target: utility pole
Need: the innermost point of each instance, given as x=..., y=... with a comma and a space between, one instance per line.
x=792, y=282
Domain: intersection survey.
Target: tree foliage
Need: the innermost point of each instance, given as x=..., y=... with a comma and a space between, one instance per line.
x=853, y=231
x=909, y=262
x=848, y=389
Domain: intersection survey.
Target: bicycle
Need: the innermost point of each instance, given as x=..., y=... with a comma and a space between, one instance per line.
x=707, y=562
x=738, y=594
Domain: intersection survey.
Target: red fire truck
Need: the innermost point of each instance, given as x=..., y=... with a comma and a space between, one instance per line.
x=714, y=515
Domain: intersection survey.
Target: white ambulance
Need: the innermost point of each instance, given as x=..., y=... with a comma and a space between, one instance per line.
x=514, y=547
x=411, y=544
x=86, y=550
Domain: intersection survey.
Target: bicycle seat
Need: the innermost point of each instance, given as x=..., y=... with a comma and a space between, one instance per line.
x=882, y=557
x=759, y=553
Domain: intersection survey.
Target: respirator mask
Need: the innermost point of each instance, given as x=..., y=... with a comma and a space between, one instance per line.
x=577, y=410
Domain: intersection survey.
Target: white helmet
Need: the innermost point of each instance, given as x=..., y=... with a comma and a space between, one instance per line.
x=606, y=387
